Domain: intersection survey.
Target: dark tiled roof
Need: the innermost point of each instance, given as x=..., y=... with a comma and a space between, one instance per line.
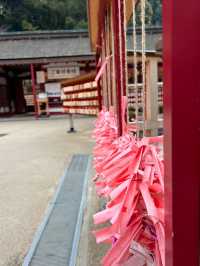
x=159, y=45
x=45, y=44
x=153, y=35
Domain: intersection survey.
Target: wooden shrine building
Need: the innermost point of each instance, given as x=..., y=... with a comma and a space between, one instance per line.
x=34, y=62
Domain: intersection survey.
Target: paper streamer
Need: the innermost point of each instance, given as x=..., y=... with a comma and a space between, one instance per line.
x=129, y=174
x=102, y=68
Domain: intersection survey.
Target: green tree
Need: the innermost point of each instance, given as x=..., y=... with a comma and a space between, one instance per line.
x=148, y=13
x=27, y=26
x=157, y=11
x=42, y=14
x=17, y=15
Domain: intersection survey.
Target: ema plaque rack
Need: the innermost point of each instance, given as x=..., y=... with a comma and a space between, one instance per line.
x=81, y=99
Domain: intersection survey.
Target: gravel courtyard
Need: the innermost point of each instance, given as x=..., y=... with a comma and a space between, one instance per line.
x=33, y=156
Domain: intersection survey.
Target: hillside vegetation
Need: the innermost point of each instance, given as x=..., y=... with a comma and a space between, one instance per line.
x=29, y=15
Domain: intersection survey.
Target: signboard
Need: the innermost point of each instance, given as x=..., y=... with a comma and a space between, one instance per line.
x=53, y=89
x=40, y=77
x=63, y=72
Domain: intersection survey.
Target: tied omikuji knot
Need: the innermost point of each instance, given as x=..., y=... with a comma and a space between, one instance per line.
x=130, y=176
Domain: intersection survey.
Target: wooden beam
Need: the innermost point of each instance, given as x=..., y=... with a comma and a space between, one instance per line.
x=63, y=59
x=96, y=13
x=79, y=80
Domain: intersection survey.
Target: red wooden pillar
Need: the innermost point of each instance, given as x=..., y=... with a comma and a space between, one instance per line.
x=182, y=130
x=123, y=46
x=99, y=89
x=109, y=38
x=104, y=42
x=34, y=89
x=119, y=46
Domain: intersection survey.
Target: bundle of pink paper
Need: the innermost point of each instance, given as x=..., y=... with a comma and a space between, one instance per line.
x=129, y=174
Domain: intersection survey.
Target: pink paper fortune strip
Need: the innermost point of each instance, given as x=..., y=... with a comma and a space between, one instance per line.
x=129, y=174
x=102, y=68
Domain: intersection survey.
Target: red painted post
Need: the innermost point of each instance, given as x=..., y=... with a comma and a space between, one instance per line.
x=34, y=90
x=116, y=52
x=123, y=46
x=99, y=90
x=106, y=54
x=182, y=131
x=110, y=53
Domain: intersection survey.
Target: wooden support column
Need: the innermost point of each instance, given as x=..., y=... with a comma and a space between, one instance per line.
x=110, y=69
x=104, y=76
x=34, y=89
x=123, y=46
x=99, y=89
x=119, y=54
x=152, y=96
x=182, y=131
x=118, y=75
x=113, y=72
x=106, y=52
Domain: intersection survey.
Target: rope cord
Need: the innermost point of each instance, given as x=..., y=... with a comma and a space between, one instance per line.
x=135, y=64
x=143, y=8
x=125, y=47
x=120, y=43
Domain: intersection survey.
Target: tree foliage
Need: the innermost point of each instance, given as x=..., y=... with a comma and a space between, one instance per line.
x=153, y=13
x=157, y=12
x=148, y=14
x=19, y=15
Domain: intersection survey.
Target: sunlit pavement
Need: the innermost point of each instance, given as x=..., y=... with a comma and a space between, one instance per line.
x=33, y=156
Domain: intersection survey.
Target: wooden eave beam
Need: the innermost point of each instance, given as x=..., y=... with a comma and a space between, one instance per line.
x=96, y=14
x=79, y=80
